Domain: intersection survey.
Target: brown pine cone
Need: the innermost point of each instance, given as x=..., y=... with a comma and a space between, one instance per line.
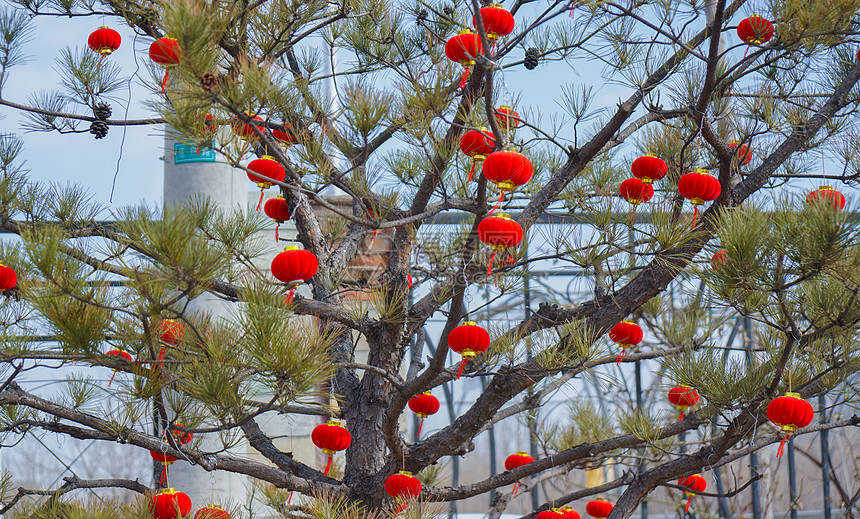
x=209, y=82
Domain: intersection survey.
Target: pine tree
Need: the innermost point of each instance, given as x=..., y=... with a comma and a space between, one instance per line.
x=392, y=145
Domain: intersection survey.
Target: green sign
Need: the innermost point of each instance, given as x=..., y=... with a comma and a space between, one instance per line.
x=187, y=153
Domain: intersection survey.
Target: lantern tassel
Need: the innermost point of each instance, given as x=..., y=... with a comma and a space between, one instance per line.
x=490, y=263
x=161, y=357
x=464, y=77
x=164, y=81
x=373, y=236
x=681, y=418
x=327, y=466
x=111, y=378
x=277, y=237
x=689, y=500
x=401, y=508
x=260, y=202
x=695, y=214
x=290, y=497
x=782, y=446
x=462, y=365
x=498, y=204
x=472, y=170
x=516, y=488
x=420, y=425
x=289, y=299
x=633, y=216
x=621, y=356
x=163, y=479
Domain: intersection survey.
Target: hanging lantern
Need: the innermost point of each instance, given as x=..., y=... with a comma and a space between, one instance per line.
x=278, y=210
x=698, y=187
x=331, y=437
x=285, y=136
x=170, y=504
x=402, y=486
x=636, y=191
x=683, y=397
x=719, y=259
x=166, y=52
x=477, y=144
x=498, y=22
x=463, y=48
x=294, y=266
x=789, y=412
x=569, y=512
x=507, y=118
x=246, y=131
x=755, y=29
x=743, y=153
x=170, y=331
x=507, y=170
x=181, y=436
x=599, y=508
x=827, y=194
x=500, y=233
x=8, y=278
x=552, y=513
x=104, y=40
x=423, y=405
x=468, y=340
x=126, y=356
x=517, y=460
x=627, y=334
x=696, y=483
x=268, y=167
x=165, y=460
x=212, y=512
x=649, y=168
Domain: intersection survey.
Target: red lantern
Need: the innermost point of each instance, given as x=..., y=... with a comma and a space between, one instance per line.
x=627, y=334
x=498, y=21
x=246, y=131
x=683, y=397
x=170, y=331
x=268, y=167
x=743, y=153
x=463, y=48
x=755, y=29
x=182, y=437
x=278, y=210
x=477, y=144
x=166, y=52
x=698, y=187
x=104, y=40
x=123, y=355
x=569, y=512
x=696, y=483
x=423, y=405
x=508, y=169
x=827, y=194
x=331, y=437
x=636, y=191
x=212, y=512
x=8, y=278
x=649, y=168
x=294, y=266
x=286, y=136
x=790, y=412
x=517, y=460
x=552, y=513
x=468, y=340
x=599, y=508
x=402, y=485
x=507, y=118
x=500, y=233
x=719, y=259
x=165, y=460
x=170, y=504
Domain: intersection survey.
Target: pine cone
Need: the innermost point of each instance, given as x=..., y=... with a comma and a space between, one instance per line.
x=102, y=111
x=422, y=16
x=531, y=61
x=209, y=82
x=448, y=10
x=99, y=129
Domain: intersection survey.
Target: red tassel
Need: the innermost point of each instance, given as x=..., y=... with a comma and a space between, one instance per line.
x=289, y=299
x=516, y=488
x=327, y=466
x=695, y=214
x=401, y=508
x=290, y=497
x=277, y=237
x=633, y=216
x=420, y=425
x=681, y=418
x=465, y=77
x=498, y=204
x=111, y=378
x=781, y=446
x=490, y=263
x=472, y=171
x=621, y=356
x=161, y=357
x=689, y=500
x=462, y=365
x=163, y=479
x=260, y=202
x=164, y=81
x=373, y=236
